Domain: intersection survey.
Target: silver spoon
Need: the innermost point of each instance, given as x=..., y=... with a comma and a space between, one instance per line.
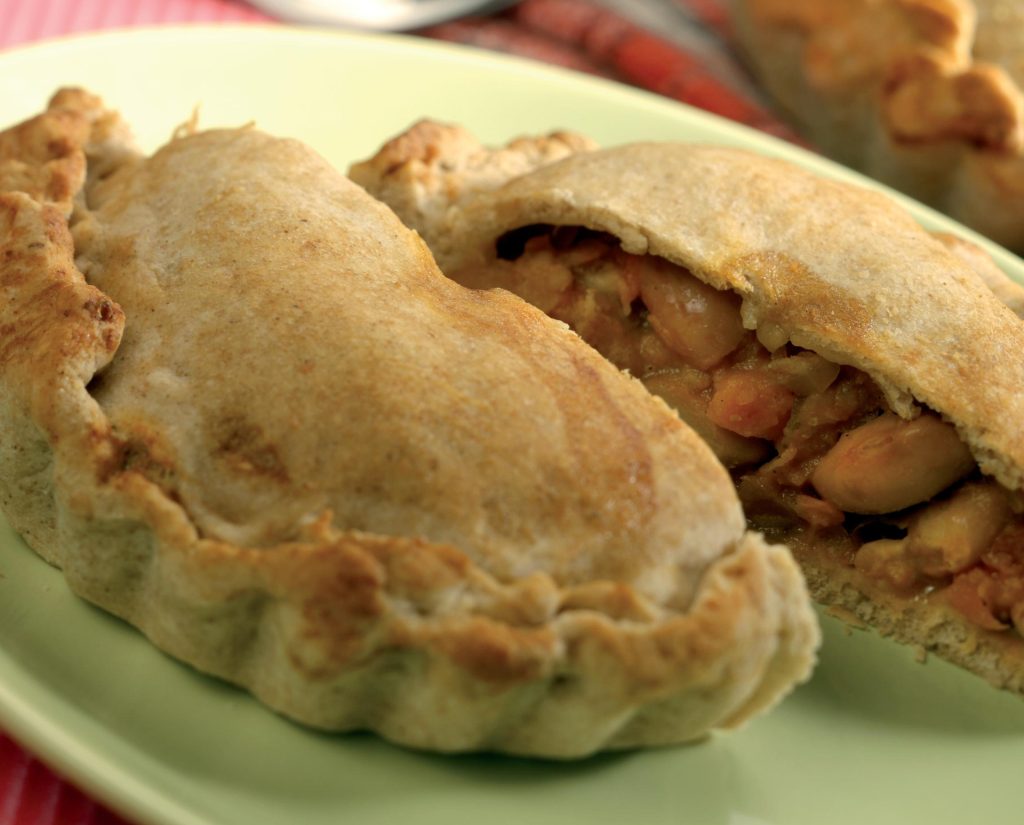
x=383, y=15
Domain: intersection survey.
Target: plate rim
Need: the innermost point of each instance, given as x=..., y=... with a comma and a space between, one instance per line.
x=90, y=768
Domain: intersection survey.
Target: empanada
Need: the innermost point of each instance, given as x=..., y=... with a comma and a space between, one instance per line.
x=925, y=95
x=861, y=381
x=241, y=408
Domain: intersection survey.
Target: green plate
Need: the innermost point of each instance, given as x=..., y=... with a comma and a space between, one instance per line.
x=875, y=737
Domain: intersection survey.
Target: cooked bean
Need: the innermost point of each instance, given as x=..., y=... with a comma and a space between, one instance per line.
x=699, y=322
x=750, y=402
x=889, y=464
x=949, y=536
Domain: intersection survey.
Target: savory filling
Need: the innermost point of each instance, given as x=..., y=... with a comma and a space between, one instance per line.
x=819, y=459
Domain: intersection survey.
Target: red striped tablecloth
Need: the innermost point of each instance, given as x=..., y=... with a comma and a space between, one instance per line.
x=677, y=48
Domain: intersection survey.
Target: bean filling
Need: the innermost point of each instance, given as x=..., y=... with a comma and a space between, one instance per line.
x=819, y=459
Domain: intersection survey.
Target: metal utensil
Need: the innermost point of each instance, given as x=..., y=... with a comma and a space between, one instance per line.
x=382, y=15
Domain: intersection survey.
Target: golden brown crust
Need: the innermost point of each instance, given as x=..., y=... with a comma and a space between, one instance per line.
x=366, y=494
x=922, y=94
x=831, y=267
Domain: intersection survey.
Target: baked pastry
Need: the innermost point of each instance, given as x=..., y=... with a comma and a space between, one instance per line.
x=861, y=381
x=925, y=95
x=241, y=408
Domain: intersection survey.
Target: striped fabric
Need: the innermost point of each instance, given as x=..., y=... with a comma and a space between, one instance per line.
x=677, y=48
x=31, y=794
x=22, y=21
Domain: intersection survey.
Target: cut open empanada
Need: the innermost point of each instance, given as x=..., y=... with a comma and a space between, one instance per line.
x=859, y=376
x=241, y=408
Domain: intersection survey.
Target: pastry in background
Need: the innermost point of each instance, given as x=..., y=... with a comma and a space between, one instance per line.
x=858, y=378
x=924, y=95
x=241, y=408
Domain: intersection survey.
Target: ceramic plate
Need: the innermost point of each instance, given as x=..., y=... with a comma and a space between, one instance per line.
x=875, y=737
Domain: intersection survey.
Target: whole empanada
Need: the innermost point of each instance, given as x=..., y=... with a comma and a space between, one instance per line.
x=241, y=408
x=925, y=95
x=860, y=379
